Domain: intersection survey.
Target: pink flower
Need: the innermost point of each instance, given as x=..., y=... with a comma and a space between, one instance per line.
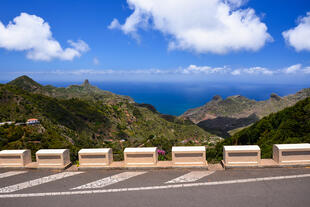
x=161, y=152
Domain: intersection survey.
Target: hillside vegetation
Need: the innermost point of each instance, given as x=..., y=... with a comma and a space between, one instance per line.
x=87, y=120
x=291, y=125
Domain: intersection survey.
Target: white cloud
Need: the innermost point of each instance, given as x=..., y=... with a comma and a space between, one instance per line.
x=96, y=61
x=216, y=26
x=80, y=45
x=306, y=70
x=298, y=37
x=32, y=34
x=193, y=69
x=236, y=72
x=236, y=3
x=292, y=69
x=258, y=70
x=114, y=24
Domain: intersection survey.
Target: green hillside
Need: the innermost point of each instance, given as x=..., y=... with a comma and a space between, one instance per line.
x=83, y=122
x=291, y=125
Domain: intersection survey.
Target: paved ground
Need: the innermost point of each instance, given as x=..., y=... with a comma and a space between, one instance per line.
x=173, y=187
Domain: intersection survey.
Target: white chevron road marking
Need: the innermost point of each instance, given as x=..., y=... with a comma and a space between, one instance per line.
x=191, y=177
x=109, y=180
x=39, y=181
x=172, y=186
x=11, y=173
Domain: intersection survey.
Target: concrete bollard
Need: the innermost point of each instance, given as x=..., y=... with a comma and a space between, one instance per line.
x=242, y=155
x=53, y=158
x=189, y=156
x=95, y=157
x=15, y=158
x=144, y=156
x=291, y=154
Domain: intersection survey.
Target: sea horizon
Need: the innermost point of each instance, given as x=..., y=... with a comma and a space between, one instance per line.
x=176, y=98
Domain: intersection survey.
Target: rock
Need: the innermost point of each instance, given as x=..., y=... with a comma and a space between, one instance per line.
x=275, y=97
x=86, y=83
x=217, y=98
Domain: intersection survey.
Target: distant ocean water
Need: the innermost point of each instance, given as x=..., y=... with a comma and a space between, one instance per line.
x=176, y=98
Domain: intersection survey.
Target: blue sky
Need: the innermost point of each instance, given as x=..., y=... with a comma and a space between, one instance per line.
x=151, y=49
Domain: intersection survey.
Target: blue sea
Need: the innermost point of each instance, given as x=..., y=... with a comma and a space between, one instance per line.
x=176, y=98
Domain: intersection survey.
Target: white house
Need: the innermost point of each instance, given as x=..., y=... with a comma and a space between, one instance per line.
x=32, y=121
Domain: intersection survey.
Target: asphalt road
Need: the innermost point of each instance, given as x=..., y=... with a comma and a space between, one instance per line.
x=173, y=187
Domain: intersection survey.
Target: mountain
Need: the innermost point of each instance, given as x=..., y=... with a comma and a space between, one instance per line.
x=240, y=110
x=291, y=125
x=71, y=118
x=84, y=91
x=222, y=125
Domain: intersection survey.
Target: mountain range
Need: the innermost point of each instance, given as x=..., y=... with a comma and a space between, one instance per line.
x=85, y=91
x=220, y=116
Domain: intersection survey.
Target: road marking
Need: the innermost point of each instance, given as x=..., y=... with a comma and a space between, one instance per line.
x=191, y=177
x=39, y=181
x=108, y=180
x=11, y=173
x=186, y=185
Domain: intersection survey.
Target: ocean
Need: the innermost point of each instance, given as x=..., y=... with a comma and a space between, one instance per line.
x=176, y=98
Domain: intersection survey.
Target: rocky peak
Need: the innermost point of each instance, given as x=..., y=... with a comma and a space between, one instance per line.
x=276, y=97
x=217, y=98
x=86, y=83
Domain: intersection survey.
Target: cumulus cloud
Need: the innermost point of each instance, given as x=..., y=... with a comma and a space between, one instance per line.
x=298, y=37
x=258, y=70
x=216, y=26
x=292, y=69
x=194, y=69
x=236, y=72
x=32, y=34
x=306, y=70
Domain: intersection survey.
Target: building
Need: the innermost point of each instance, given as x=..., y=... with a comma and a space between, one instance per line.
x=32, y=121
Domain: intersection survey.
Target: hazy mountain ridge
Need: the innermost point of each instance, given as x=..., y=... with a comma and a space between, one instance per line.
x=241, y=107
x=84, y=91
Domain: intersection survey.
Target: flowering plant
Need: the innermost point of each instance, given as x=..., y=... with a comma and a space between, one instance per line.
x=161, y=154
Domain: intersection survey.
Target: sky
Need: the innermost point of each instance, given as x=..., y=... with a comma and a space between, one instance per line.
x=263, y=41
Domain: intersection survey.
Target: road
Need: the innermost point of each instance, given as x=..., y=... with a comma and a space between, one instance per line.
x=170, y=187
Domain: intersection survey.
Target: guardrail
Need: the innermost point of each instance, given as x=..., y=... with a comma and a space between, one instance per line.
x=182, y=156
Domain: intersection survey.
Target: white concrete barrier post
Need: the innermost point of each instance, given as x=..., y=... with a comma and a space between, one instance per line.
x=189, y=156
x=144, y=156
x=15, y=158
x=53, y=158
x=291, y=154
x=95, y=157
x=242, y=155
